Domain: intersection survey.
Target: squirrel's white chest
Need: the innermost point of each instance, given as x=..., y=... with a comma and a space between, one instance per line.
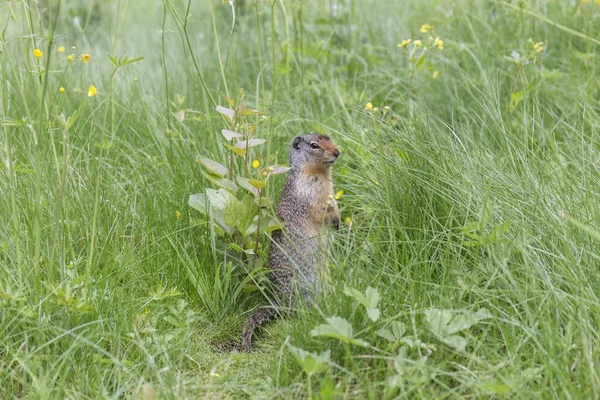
x=315, y=190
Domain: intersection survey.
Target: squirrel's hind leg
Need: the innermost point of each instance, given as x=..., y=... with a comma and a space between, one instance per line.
x=257, y=319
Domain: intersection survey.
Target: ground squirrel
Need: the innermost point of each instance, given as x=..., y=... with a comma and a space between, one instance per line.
x=307, y=206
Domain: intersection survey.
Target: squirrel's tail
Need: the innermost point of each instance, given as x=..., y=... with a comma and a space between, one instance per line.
x=257, y=319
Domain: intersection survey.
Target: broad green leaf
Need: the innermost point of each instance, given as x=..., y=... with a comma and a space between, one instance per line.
x=230, y=135
x=328, y=391
x=251, y=112
x=466, y=320
x=213, y=167
x=338, y=328
x=357, y=295
x=246, y=144
x=445, y=323
x=217, y=221
x=458, y=342
x=251, y=130
x=398, y=329
x=369, y=300
x=438, y=320
x=250, y=212
x=372, y=296
x=198, y=202
x=386, y=334
x=233, y=212
x=277, y=169
x=400, y=360
x=516, y=96
x=245, y=183
x=274, y=225
x=262, y=202
x=222, y=182
x=228, y=112
x=515, y=99
x=254, y=227
x=394, y=333
x=236, y=247
x=237, y=150
x=218, y=199
x=311, y=363
x=257, y=184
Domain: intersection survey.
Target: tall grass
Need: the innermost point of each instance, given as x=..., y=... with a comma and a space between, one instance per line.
x=457, y=200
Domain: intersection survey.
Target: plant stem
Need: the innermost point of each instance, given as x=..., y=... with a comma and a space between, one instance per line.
x=258, y=223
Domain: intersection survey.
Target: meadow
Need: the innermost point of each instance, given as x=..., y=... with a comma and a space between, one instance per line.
x=467, y=263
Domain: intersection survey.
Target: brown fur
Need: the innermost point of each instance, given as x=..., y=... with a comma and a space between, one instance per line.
x=306, y=208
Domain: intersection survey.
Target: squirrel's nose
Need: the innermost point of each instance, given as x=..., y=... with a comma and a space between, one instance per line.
x=336, y=153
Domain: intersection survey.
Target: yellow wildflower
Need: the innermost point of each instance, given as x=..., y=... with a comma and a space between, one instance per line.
x=339, y=194
x=348, y=221
x=255, y=164
x=369, y=107
x=438, y=43
x=417, y=43
x=38, y=53
x=404, y=43
x=177, y=214
x=92, y=91
x=426, y=28
x=375, y=109
x=62, y=90
x=386, y=108
x=435, y=74
x=538, y=47
x=86, y=57
x=71, y=57
x=60, y=49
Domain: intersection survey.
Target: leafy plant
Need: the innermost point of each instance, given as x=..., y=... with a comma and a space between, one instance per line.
x=444, y=324
x=417, y=54
x=369, y=300
x=406, y=354
x=338, y=328
x=238, y=218
x=311, y=363
x=530, y=56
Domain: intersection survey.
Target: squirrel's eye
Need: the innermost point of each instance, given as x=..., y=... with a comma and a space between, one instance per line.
x=313, y=145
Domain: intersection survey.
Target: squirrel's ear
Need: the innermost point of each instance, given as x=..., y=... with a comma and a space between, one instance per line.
x=296, y=143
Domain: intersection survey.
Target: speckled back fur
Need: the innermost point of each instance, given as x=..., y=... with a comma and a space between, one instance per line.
x=306, y=207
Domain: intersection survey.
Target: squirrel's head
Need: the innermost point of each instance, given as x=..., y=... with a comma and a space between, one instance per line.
x=313, y=153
